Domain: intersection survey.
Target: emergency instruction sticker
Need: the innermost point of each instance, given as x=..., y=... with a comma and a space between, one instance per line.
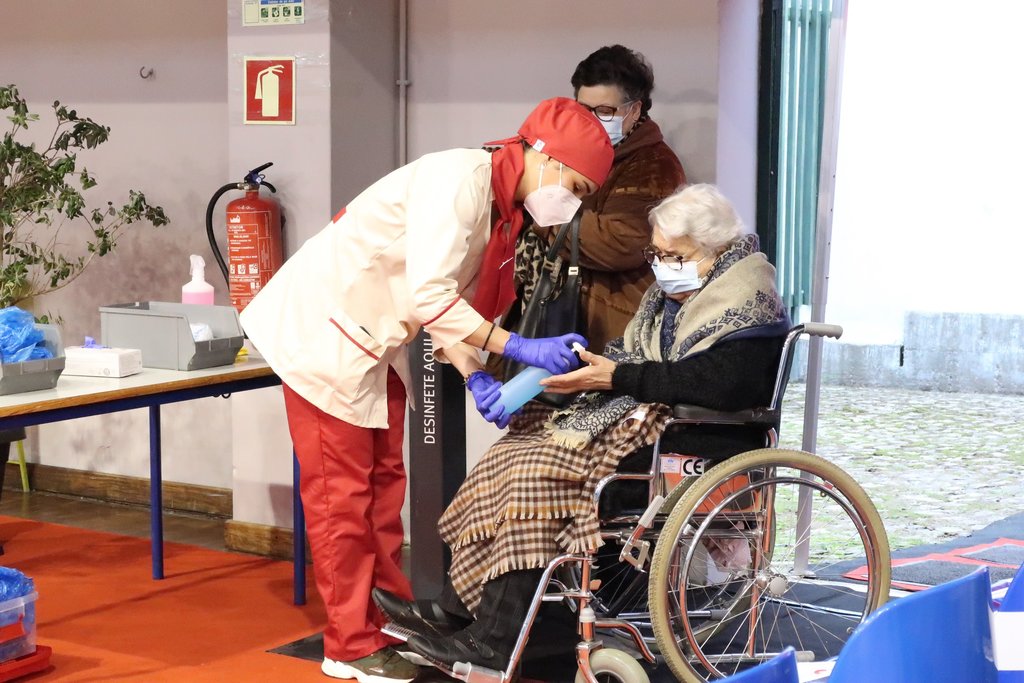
x=675, y=467
x=683, y=465
x=270, y=90
x=272, y=12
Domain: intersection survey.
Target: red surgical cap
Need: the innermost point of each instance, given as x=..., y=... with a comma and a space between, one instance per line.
x=566, y=131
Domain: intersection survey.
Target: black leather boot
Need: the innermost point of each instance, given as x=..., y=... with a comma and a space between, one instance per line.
x=490, y=639
x=425, y=617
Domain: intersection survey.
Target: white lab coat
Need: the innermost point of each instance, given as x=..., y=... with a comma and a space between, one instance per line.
x=404, y=255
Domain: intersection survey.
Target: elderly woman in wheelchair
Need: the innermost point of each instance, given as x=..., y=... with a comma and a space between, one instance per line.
x=568, y=505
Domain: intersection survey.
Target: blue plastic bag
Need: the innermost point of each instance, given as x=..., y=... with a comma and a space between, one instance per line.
x=20, y=339
x=14, y=584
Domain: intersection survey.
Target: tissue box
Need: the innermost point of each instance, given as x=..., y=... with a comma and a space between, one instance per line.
x=92, y=362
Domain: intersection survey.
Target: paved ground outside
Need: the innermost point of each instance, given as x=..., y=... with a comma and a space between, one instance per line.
x=937, y=465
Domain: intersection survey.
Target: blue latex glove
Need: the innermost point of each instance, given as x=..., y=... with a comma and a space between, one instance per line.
x=554, y=354
x=486, y=391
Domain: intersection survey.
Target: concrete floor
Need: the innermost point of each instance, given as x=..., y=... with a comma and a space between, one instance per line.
x=937, y=465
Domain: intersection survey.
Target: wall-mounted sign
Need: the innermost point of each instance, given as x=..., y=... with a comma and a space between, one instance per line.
x=270, y=90
x=272, y=12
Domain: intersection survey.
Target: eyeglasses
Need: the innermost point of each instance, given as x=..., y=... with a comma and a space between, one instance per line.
x=605, y=112
x=671, y=261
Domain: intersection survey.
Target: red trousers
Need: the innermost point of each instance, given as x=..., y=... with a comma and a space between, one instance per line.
x=352, y=482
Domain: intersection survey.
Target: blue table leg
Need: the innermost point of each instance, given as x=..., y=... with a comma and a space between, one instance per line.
x=156, y=498
x=298, y=536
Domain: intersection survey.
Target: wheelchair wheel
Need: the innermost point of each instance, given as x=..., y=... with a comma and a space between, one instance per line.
x=765, y=586
x=614, y=666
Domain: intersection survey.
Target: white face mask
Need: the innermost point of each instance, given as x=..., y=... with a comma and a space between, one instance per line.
x=614, y=129
x=677, y=281
x=551, y=204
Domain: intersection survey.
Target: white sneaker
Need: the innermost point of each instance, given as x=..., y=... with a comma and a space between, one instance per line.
x=383, y=666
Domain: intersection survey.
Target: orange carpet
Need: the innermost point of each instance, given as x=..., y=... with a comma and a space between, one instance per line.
x=211, y=619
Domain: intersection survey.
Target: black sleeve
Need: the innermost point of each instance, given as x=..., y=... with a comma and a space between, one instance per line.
x=730, y=375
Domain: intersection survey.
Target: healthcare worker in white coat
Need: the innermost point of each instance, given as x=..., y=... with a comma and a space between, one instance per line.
x=431, y=245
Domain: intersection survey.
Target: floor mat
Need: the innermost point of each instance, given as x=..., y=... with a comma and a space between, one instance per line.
x=1002, y=556
x=211, y=619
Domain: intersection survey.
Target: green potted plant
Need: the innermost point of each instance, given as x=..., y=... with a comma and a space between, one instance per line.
x=41, y=191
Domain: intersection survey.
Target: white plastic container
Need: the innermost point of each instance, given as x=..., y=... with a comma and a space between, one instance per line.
x=18, y=627
x=163, y=331
x=198, y=290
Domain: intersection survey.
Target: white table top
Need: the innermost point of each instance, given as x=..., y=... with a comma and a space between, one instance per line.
x=73, y=390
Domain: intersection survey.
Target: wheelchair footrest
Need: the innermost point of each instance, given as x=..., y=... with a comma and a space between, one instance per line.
x=634, y=541
x=395, y=631
x=472, y=673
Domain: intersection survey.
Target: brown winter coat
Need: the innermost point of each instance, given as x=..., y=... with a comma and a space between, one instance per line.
x=614, y=231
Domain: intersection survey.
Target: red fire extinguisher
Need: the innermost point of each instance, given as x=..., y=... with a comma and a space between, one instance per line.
x=255, y=242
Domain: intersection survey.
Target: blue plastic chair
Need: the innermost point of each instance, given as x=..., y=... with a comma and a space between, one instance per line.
x=1013, y=601
x=781, y=669
x=943, y=633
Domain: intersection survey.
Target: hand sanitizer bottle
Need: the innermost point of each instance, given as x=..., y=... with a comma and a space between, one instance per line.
x=521, y=388
x=198, y=291
x=524, y=386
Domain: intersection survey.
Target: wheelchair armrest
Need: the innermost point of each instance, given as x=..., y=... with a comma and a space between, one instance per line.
x=753, y=417
x=618, y=476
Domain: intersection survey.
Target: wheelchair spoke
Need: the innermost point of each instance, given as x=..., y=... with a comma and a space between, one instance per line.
x=756, y=579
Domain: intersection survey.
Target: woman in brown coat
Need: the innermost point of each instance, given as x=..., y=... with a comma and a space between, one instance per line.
x=615, y=83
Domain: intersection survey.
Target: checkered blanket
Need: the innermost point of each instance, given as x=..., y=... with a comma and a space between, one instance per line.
x=529, y=499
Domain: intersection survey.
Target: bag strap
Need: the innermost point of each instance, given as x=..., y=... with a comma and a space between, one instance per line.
x=573, y=228
x=574, y=251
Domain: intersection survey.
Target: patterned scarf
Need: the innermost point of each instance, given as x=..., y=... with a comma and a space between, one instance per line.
x=739, y=292
x=496, y=290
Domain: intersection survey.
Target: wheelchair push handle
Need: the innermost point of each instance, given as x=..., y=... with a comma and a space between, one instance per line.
x=823, y=330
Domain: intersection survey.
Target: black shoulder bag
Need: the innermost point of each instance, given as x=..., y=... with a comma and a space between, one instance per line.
x=553, y=311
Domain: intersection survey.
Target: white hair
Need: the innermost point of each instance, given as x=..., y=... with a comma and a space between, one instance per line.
x=701, y=213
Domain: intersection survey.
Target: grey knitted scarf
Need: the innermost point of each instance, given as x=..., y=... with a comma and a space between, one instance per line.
x=739, y=292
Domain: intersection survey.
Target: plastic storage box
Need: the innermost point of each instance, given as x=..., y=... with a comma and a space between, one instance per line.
x=162, y=331
x=34, y=375
x=18, y=627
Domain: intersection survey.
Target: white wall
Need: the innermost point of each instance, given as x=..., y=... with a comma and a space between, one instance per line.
x=168, y=140
x=477, y=68
x=928, y=176
x=739, y=35
x=261, y=448
x=343, y=140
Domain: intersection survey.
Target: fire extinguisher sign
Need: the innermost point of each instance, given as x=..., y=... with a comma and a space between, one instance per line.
x=270, y=90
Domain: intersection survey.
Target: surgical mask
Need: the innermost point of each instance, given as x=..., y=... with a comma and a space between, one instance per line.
x=674, y=281
x=614, y=129
x=551, y=204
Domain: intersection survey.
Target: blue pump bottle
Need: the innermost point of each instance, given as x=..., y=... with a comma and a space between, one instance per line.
x=524, y=386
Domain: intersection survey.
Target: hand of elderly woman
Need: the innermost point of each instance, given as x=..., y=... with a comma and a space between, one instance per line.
x=595, y=376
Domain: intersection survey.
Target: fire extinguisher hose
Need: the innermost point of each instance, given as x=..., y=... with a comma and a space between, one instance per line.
x=209, y=227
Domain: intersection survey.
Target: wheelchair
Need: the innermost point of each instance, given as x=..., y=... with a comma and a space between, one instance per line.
x=723, y=570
